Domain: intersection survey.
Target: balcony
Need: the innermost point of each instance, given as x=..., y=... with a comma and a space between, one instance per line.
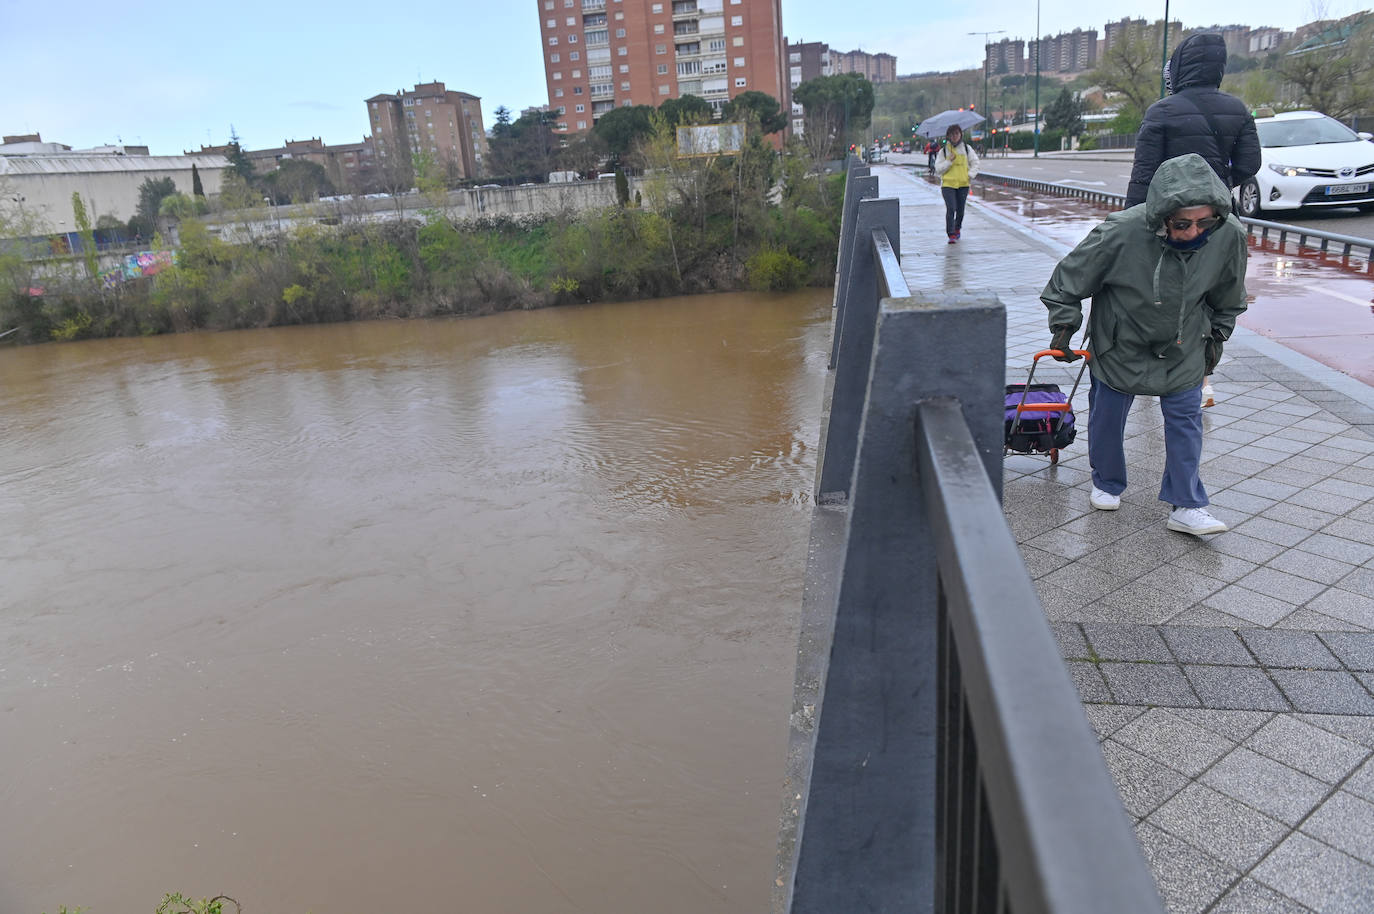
x=690, y=49
x=593, y=5
x=684, y=8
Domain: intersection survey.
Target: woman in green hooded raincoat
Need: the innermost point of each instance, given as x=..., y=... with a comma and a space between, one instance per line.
x=1167, y=281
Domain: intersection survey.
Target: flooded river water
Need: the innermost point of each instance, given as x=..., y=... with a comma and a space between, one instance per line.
x=490, y=615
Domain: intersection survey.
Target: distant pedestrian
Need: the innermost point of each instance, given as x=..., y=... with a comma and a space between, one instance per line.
x=932, y=147
x=1196, y=117
x=1167, y=282
x=957, y=165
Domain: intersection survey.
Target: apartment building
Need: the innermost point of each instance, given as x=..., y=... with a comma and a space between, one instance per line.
x=876, y=68
x=1067, y=52
x=807, y=60
x=604, y=54
x=432, y=119
x=1006, y=57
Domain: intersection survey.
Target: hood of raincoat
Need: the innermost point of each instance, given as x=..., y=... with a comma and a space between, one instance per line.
x=1199, y=60
x=1184, y=181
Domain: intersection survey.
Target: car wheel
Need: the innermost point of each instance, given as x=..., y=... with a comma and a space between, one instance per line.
x=1250, y=199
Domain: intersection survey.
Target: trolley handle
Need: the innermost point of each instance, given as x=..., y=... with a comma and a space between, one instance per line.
x=1058, y=352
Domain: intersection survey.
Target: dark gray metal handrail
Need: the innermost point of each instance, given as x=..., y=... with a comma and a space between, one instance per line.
x=1324, y=240
x=1052, y=837
x=939, y=758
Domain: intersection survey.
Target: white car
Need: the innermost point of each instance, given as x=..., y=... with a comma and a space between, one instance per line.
x=1309, y=160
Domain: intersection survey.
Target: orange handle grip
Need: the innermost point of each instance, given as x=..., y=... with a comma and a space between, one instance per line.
x=1053, y=352
x=1043, y=408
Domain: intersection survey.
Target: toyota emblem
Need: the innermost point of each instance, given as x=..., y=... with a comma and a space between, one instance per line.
x=1347, y=172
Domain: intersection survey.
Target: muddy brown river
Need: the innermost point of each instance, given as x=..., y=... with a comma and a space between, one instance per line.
x=487, y=615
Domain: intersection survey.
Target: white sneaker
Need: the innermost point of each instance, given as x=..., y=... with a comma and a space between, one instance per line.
x=1197, y=521
x=1103, y=501
x=1207, y=396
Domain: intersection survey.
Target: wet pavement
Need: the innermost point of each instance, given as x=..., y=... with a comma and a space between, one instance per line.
x=1230, y=679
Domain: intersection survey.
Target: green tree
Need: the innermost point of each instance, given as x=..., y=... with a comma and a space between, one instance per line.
x=238, y=159
x=621, y=128
x=686, y=109
x=197, y=188
x=82, y=220
x=1333, y=71
x=301, y=181
x=1130, y=68
x=837, y=109
x=1065, y=113
x=150, y=194
x=761, y=105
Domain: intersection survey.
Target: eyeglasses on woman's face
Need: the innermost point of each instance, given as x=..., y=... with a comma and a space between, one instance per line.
x=1205, y=224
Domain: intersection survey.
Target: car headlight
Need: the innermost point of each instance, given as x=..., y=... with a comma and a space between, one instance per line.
x=1290, y=171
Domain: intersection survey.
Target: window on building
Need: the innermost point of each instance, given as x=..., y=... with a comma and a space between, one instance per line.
x=620, y=33
x=622, y=52
x=581, y=125
x=794, y=58
x=663, y=69
x=715, y=44
x=737, y=20
x=576, y=74
x=658, y=29
x=579, y=108
x=548, y=4
x=740, y=82
x=572, y=39
x=553, y=40
x=625, y=87
x=562, y=109
x=557, y=93
x=557, y=74
x=619, y=16
x=550, y=23
x=739, y=62
x=572, y=20
x=574, y=55
x=624, y=68
x=656, y=8
x=577, y=90
x=660, y=49
x=627, y=102
x=662, y=90
x=737, y=41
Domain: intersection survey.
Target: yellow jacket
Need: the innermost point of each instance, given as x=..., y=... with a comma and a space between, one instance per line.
x=957, y=165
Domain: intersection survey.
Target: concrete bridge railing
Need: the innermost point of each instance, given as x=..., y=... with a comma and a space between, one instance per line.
x=940, y=759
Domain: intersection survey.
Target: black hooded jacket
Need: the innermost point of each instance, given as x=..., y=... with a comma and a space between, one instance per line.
x=1196, y=117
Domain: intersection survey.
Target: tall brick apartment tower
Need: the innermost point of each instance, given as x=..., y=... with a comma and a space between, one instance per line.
x=604, y=54
x=430, y=118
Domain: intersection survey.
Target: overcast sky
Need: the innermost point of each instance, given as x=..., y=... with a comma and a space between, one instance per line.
x=174, y=76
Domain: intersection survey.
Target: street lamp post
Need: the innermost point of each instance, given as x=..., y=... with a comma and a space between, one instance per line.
x=1039, y=49
x=1164, y=53
x=985, y=74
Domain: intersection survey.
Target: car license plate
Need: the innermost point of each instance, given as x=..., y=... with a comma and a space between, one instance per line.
x=1347, y=189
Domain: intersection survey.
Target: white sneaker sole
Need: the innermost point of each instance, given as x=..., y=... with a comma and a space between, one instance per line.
x=1102, y=507
x=1219, y=527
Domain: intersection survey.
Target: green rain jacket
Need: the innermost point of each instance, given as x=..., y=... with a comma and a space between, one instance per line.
x=1153, y=306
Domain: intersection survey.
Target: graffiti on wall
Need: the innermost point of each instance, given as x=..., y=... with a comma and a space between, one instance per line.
x=144, y=263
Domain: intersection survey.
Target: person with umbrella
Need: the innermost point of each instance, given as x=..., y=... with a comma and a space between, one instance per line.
x=957, y=166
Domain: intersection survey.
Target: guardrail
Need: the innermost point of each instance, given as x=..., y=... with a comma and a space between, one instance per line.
x=941, y=760
x=1306, y=239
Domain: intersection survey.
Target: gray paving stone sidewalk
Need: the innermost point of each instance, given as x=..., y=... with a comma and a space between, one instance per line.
x=1230, y=680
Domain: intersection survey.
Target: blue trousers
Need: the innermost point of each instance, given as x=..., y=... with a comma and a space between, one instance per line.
x=955, y=198
x=1107, y=410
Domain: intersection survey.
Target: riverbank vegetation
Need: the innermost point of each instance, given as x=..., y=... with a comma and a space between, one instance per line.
x=754, y=220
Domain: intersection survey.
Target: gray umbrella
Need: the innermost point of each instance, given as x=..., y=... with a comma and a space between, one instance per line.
x=936, y=125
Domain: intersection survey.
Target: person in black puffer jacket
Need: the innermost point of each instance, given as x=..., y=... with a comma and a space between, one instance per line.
x=1196, y=117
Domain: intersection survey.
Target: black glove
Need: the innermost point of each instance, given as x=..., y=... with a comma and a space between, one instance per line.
x=1063, y=336
x=1212, y=351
